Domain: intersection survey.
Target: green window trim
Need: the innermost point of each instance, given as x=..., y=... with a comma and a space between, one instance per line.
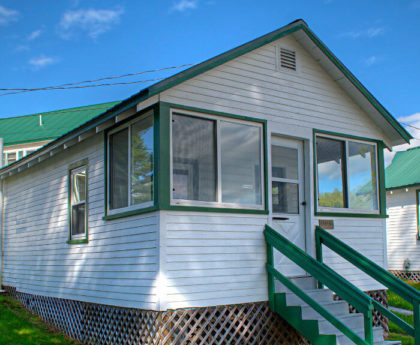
x=161, y=111
x=73, y=166
x=418, y=213
x=380, y=179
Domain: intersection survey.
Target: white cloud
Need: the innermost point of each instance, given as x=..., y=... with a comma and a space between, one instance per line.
x=34, y=34
x=414, y=130
x=92, y=22
x=8, y=15
x=184, y=5
x=21, y=48
x=371, y=60
x=41, y=61
x=369, y=33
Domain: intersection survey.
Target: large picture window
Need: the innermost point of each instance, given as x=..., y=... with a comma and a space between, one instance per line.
x=78, y=209
x=346, y=174
x=130, y=165
x=216, y=162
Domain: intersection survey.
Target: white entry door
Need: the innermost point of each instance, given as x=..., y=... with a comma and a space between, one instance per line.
x=288, y=199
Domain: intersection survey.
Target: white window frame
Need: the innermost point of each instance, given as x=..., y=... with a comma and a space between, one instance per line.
x=218, y=203
x=72, y=173
x=16, y=151
x=116, y=130
x=346, y=151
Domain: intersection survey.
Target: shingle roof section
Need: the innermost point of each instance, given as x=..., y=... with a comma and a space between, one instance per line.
x=404, y=169
x=27, y=128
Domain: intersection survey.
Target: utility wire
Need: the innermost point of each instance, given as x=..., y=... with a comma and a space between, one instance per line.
x=72, y=85
x=81, y=86
x=406, y=124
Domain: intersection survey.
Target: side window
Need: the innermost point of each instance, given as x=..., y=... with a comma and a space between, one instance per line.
x=77, y=201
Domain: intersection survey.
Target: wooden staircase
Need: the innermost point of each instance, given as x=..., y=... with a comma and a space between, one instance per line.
x=311, y=324
x=310, y=308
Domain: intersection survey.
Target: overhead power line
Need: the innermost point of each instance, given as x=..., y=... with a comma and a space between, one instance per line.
x=67, y=86
x=406, y=124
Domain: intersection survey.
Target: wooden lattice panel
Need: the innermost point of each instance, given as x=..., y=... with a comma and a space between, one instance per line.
x=89, y=323
x=407, y=275
x=378, y=319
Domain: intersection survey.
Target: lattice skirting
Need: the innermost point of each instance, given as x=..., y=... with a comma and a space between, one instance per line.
x=407, y=275
x=90, y=323
x=378, y=320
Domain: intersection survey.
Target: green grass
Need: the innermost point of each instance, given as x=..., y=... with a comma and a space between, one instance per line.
x=19, y=327
x=397, y=333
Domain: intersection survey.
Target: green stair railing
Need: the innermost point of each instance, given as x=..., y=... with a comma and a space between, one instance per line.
x=375, y=271
x=323, y=274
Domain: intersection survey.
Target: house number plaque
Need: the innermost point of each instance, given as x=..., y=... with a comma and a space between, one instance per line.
x=327, y=224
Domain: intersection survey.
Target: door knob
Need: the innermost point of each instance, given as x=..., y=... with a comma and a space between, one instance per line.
x=303, y=203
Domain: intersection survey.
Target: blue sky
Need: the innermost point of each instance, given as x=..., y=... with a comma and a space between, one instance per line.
x=54, y=42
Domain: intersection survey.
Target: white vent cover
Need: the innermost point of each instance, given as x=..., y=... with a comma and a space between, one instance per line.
x=288, y=59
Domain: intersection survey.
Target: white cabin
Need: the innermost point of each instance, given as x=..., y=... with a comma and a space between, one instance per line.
x=403, y=224
x=160, y=202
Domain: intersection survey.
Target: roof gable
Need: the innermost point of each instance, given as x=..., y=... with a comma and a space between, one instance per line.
x=404, y=169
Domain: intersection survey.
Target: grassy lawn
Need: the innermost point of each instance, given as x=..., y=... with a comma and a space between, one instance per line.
x=396, y=301
x=19, y=327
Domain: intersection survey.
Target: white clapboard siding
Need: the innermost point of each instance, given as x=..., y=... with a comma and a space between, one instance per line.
x=212, y=258
x=118, y=266
x=402, y=230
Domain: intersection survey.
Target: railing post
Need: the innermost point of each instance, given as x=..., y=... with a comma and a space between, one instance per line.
x=271, y=286
x=318, y=253
x=416, y=314
x=368, y=325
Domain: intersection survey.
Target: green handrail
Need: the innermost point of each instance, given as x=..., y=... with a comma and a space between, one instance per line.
x=322, y=273
x=375, y=271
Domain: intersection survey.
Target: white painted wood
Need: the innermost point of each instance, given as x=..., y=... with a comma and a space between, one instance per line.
x=402, y=229
x=118, y=266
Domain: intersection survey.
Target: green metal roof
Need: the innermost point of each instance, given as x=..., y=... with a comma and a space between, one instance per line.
x=49, y=125
x=404, y=169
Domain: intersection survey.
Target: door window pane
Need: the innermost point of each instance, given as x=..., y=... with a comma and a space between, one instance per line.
x=241, y=163
x=284, y=161
x=330, y=156
x=194, y=162
x=362, y=176
x=118, y=169
x=285, y=197
x=142, y=161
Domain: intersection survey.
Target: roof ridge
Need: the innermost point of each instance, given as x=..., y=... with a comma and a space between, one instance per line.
x=57, y=111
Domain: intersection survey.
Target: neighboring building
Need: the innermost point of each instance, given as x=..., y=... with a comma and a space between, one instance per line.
x=23, y=135
x=145, y=224
x=403, y=228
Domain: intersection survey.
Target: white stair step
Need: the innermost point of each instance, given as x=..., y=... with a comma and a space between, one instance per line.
x=321, y=296
x=334, y=307
x=305, y=283
x=378, y=338
x=353, y=321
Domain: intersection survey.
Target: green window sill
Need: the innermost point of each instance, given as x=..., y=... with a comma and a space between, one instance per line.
x=350, y=215
x=78, y=241
x=130, y=213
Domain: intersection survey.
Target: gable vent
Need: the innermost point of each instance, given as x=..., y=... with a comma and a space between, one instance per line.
x=288, y=59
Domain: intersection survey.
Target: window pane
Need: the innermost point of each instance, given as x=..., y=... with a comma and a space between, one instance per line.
x=241, y=163
x=330, y=157
x=284, y=161
x=11, y=157
x=362, y=176
x=79, y=186
x=78, y=219
x=142, y=161
x=118, y=169
x=285, y=197
x=194, y=164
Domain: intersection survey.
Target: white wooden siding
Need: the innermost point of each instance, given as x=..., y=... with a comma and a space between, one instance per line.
x=209, y=259
x=118, y=266
x=402, y=230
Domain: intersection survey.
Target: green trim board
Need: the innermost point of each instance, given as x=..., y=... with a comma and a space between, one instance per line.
x=418, y=212
x=81, y=163
x=381, y=178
